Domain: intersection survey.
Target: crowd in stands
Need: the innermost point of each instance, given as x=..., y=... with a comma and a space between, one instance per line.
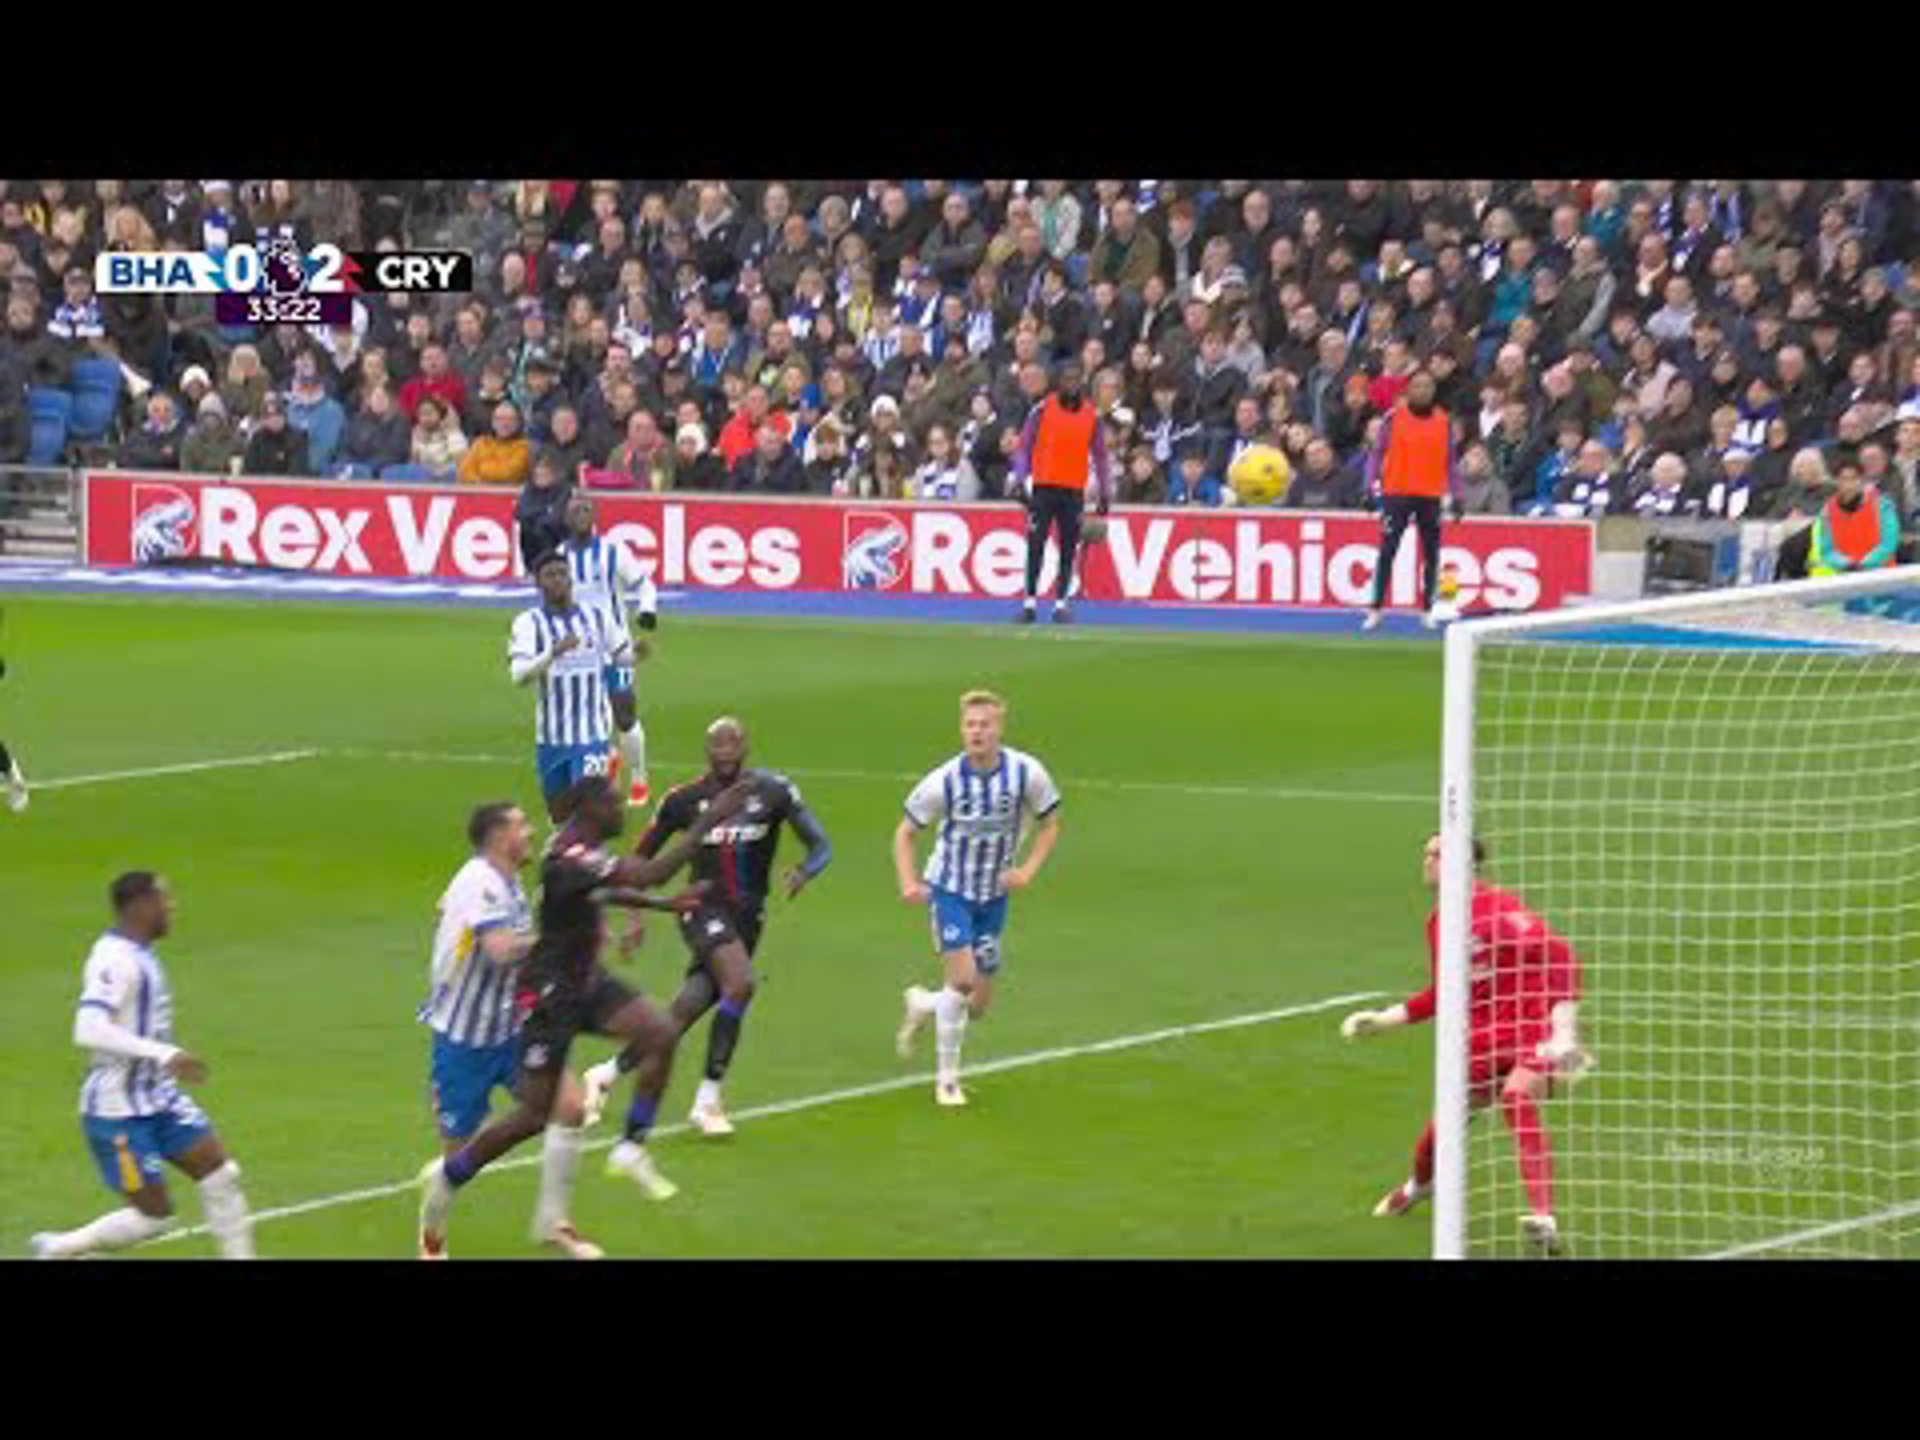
x=1652, y=347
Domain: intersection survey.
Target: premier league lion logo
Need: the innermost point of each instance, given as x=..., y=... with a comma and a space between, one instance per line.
x=163, y=520
x=285, y=270
x=873, y=553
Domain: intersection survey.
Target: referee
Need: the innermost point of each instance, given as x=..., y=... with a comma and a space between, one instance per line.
x=1411, y=468
x=1060, y=446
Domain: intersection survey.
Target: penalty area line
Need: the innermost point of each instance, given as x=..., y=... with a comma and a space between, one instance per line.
x=185, y=767
x=829, y=1097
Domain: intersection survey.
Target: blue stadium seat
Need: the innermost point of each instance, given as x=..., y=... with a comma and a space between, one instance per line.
x=52, y=413
x=96, y=398
x=408, y=471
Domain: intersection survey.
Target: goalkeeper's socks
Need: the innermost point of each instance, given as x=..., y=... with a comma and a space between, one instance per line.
x=1536, y=1157
x=949, y=1029
x=1423, y=1160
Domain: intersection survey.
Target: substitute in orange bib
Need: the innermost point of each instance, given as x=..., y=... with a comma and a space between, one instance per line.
x=1059, y=448
x=1858, y=529
x=1411, y=469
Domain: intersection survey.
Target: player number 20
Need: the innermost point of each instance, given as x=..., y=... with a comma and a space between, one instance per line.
x=597, y=764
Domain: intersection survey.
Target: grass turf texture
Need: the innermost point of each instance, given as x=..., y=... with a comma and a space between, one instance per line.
x=307, y=890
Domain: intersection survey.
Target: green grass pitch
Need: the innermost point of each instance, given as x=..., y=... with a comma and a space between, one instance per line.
x=1241, y=835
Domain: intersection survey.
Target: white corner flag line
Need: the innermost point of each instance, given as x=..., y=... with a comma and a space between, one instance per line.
x=832, y=1097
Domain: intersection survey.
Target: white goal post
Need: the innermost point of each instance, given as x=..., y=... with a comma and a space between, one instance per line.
x=1716, y=799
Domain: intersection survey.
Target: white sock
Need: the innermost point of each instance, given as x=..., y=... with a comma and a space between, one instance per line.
x=950, y=1027
x=633, y=750
x=1030, y=602
x=922, y=1002
x=559, y=1163
x=707, y=1096
x=113, y=1231
x=226, y=1210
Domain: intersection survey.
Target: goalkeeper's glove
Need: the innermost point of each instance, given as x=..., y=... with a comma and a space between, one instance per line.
x=1368, y=1022
x=1562, y=1050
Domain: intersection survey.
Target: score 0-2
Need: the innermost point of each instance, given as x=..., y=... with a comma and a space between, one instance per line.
x=280, y=286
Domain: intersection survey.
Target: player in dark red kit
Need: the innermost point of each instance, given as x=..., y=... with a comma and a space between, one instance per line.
x=565, y=990
x=1524, y=1029
x=735, y=868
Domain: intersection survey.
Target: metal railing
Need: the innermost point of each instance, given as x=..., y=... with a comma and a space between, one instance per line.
x=39, y=513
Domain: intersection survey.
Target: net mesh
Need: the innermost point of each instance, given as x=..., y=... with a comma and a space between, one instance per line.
x=1723, y=817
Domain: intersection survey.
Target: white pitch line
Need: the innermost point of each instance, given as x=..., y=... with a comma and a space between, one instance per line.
x=831, y=1097
x=1164, y=787
x=1817, y=1232
x=188, y=767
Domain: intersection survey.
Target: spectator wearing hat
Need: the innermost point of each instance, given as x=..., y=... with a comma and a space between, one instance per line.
x=312, y=410
x=275, y=447
x=377, y=436
x=438, y=442
x=221, y=219
x=502, y=456
x=195, y=385
x=155, y=444
x=77, y=319
x=210, y=445
x=695, y=466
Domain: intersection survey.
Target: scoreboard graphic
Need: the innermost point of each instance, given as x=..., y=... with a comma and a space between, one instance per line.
x=275, y=284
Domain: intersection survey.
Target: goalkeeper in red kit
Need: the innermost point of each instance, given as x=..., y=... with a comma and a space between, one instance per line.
x=1524, y=1034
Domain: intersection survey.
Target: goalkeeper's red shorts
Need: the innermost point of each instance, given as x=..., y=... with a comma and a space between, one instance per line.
x=1497, y=1053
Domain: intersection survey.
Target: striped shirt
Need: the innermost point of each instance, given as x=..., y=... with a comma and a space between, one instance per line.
x=608, y=579
x=572, y=708
x=980, y=815
x=124, y=978
x=471, y=999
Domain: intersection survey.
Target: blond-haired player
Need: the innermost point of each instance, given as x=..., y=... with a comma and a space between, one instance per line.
x=980, y=801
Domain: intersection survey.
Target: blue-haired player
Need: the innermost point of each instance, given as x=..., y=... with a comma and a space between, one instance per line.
x=605, y=578
x=566, y=649
x=485, y=930
x=132, y=1110
x=981, y=800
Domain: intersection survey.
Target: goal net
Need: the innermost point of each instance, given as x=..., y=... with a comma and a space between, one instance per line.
x=1716, y=800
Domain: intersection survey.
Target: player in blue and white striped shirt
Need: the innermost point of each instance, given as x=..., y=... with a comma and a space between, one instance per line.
x=474, y=1011
x=606, y=578
x=566, y=649
x=131, y=1107
x=982, y=799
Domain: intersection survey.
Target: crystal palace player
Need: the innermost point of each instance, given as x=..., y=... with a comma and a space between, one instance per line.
x=131, y=1106
x=982, y=799
x=568, y=649
x=565, y=990
x=485, y=930
x=736, y=864
x=606, y=579
x=1524, y=1029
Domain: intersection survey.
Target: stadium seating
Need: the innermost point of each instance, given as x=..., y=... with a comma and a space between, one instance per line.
x=52, y=415
x=97, y=383
x=407, y=471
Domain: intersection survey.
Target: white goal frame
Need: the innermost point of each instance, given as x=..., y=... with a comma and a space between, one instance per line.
x=1463, y=642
